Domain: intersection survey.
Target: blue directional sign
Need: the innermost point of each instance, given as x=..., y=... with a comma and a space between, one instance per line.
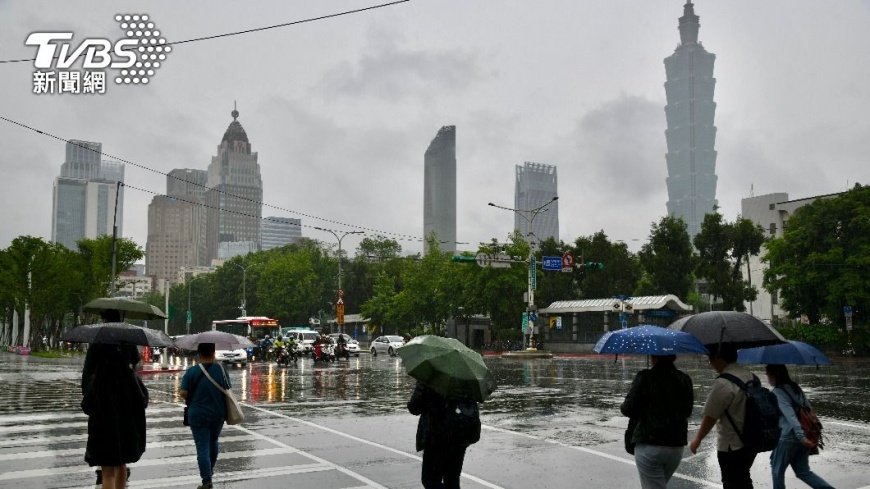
x=552, y=263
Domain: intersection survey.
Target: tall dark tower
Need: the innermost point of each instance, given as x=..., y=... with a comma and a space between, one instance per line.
x=691, y=135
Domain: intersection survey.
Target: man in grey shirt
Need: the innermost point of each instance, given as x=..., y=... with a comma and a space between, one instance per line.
x=735, y=461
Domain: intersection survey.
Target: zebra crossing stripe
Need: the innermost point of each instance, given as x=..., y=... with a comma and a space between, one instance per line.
x=79, y=450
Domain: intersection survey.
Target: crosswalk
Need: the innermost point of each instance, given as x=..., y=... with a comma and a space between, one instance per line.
x=46, y=450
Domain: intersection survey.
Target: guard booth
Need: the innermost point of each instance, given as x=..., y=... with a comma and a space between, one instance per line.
x=575, y=326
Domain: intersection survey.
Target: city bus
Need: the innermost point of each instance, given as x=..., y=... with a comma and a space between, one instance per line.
x=253, y=327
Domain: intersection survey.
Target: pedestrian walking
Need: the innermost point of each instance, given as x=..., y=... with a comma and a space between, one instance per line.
x=793, y=446
x=735, y=461
x=661, y=399
x=207, y=408
x=442, y=460
x=113, y=401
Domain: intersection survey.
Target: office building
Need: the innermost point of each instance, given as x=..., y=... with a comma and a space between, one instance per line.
x=536, y=185
x=234, y=197
x=176, y=225
x=439, y=189
x=279, y=231
x=691, y=135
x=85, y=195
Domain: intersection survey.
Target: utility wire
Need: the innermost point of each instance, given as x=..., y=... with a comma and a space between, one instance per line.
x=256, y=29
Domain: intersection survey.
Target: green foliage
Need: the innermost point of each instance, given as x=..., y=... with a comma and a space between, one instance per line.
x=667, y=260
x=722, y=249
x=822, y=261
x=622, y=270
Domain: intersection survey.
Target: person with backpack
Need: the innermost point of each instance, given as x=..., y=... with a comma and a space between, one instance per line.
x=661, y=399
x=725, y=409
x=793, y=447
x=443, y=448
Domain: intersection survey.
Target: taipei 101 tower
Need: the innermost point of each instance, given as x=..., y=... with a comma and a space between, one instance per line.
x=691, y=135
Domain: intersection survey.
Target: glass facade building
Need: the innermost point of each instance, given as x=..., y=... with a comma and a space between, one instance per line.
x=536, y=185
x=691, y=135
x=439, y=188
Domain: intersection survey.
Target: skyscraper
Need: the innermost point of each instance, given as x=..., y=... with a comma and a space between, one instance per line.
x=536, y=185
x=234, y=197
x=691, y=135
x=176, y=225
x=84, y=197
x=279, y=231
x=439, y=188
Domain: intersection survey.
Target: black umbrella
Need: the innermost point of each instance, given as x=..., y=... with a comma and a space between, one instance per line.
x=115, y=334
x=737, y=329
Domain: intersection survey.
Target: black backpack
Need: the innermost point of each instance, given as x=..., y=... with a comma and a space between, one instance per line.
x=761, y=426
x=462, y=422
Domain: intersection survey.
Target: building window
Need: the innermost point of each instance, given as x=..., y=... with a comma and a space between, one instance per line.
x=772, y=228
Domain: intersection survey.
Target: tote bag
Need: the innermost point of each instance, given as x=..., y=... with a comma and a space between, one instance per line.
x=234, y=410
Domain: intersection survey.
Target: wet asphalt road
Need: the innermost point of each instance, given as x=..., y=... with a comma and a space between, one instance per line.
x=551, y=424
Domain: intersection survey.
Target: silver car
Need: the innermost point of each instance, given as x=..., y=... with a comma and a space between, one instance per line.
x=239, y=356
x=388, y=344
x=352, y=344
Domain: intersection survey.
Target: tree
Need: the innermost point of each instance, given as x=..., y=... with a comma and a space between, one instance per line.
x=621, y=268
x=822, y=261
x=722, y=247
x=667, y=260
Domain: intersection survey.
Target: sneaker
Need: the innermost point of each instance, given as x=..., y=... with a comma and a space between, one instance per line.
x=128, y=474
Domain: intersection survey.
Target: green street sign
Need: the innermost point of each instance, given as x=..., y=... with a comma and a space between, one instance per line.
x=533, y=271
x=189, y=317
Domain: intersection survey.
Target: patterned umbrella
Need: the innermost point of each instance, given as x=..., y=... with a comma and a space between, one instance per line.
x=648, y=340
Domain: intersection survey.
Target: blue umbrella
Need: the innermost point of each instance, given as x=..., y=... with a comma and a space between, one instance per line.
x=649, y=340
x=791, y=353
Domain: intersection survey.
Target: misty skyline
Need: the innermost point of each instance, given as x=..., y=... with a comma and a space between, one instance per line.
x=341, y=110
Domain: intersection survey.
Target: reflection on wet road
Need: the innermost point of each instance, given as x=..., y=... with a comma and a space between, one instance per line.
x=566, y=403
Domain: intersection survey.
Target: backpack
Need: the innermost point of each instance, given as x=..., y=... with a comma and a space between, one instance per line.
x=761, y=425
x=462, y=422
x=809, y=423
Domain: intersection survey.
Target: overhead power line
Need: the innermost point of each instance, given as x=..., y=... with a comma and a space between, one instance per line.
x=256, y=29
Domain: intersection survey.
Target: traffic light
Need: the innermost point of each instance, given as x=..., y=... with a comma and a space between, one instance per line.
x=464, y=258
x=593, y=265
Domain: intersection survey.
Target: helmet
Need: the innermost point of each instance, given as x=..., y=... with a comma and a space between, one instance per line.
x=407, y=336
x=267, y=337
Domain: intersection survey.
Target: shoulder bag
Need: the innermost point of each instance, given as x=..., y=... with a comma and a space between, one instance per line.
x=234, y=410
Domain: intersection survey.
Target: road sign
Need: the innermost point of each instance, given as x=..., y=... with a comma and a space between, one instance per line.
x=533, y=317
x=558, y=322
x=567, y=262
x=500, y=260
x=189, y=317
x=483, y=260
x=340, y=292
x=339, y=312
x=525, y=321
x=552, y=263
x=533, y=269
x=847, y=310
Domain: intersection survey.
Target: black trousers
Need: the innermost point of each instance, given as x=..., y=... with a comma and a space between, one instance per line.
x=735, y=466
x=442, y=466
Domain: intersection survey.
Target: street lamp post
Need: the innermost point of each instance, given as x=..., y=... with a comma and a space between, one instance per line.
x=244, y=287
x=530, y=218
x=340, y=301
x=189, y=314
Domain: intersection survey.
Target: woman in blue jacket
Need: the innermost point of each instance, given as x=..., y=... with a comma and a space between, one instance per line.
x=207, y=409
x=793, y=447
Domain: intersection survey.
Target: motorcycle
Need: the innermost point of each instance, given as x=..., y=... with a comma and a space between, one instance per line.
x=284, y=357
x=341, y=351
x=323, y=352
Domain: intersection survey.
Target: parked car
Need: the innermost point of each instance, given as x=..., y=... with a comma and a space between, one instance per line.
x=239, y=356
x=388, y=344
x=352, y=344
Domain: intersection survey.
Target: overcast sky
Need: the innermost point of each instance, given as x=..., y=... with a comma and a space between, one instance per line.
x=341, y=110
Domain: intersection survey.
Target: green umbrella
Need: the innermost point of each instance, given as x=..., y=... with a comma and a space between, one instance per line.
x=448, y=367
x=130, y=309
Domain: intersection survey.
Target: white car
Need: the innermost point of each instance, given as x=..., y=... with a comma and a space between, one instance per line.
x=387, y=344
x=232, y=356
x=352, y=344
x=304, y=339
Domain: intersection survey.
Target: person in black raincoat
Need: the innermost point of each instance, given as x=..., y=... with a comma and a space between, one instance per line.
x=115, y=405
x=442, y=461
